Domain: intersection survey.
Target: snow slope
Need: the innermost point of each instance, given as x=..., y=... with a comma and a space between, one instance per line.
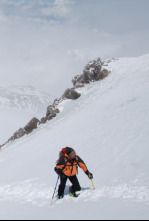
x=109, y=127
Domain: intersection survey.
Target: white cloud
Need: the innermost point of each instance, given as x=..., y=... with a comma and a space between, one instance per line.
x=37, y=8
x=56, y=11
x=46, y=44
x=59, y=9
x=47, y=56
x=3, y=18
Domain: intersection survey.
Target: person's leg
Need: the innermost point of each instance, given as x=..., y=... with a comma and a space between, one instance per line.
x=75, y=184
x=62, y=186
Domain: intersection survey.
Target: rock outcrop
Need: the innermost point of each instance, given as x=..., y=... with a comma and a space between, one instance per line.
x=33, y=124
x=71, y=94
x=94, y=71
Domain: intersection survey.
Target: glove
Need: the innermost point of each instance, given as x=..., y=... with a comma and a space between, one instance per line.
x=90, y=175
x=58, y=171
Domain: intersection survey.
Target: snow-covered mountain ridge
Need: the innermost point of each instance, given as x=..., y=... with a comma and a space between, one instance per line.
x=24, y=98
x=108, y=128
x=93, y=71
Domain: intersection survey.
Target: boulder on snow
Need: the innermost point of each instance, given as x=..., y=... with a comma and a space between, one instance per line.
x=92, y=72
x=43, y=120
x=31, y=125
x=71, y=94
x=52, y=111
x=2, y=146
x=20, y=133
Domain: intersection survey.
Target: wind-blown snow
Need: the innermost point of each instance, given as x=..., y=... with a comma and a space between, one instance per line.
x=108, y=127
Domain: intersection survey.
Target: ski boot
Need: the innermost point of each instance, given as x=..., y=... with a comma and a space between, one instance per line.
x=60, y=197
x=72, y=193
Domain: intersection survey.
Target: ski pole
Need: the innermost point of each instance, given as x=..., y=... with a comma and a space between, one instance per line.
x=55, y=189
x=93, y=184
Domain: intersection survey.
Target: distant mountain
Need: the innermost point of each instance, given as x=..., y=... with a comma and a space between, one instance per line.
x=25, y=98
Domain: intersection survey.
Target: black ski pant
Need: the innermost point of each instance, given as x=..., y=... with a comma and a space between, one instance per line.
x=75, y=184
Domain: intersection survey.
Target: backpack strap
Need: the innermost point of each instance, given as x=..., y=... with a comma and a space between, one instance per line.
x=65, y=163
x=77, y=160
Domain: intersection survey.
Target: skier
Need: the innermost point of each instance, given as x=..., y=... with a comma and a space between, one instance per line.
x=67, y=168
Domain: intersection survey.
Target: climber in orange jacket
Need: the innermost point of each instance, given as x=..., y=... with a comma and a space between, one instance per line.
x=67, y=168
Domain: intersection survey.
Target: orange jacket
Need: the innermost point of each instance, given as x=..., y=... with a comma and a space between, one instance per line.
x=70, y=167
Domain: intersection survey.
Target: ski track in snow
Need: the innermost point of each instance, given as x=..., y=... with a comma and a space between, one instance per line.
x=41, y=195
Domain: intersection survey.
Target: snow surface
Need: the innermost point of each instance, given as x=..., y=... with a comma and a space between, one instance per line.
x=108, y=126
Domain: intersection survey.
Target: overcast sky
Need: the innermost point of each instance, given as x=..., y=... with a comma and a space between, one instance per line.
x=44, y=43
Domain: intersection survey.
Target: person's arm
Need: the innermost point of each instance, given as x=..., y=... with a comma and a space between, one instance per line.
x=60, y=166
x=83, y=166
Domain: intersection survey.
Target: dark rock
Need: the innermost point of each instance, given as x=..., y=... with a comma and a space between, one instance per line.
x=43, y=120
x=52, y=111
x=31, y=125
x=20, y=133
x=2, y=146
x=92, y=72
x=71, y=94
x=104, y=73
x=79, y=86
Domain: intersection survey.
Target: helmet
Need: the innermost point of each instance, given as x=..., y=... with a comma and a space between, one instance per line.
x=72, y=155
x=70, y=152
